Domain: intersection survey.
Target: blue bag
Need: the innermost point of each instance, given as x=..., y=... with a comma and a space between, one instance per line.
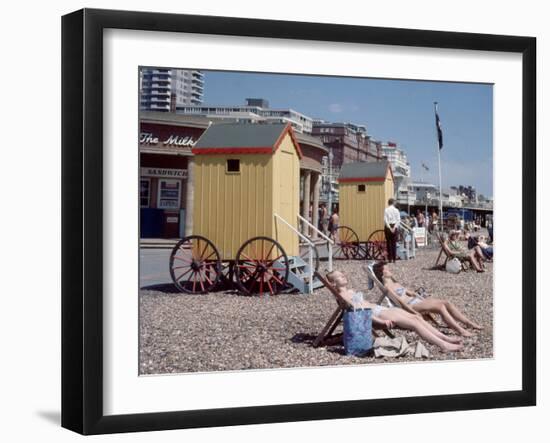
x=358, y=332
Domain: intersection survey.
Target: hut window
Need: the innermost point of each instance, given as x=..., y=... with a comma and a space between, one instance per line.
x=233, y=165
x=361, y=188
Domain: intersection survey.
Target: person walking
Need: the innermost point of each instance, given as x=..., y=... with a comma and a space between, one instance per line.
x=323, y=218
x=419, y=218
x=391, y=222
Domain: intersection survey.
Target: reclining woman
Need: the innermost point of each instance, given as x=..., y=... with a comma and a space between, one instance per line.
x=396, y=317
x=448, y=311
x=479, y=242
x=474, y=256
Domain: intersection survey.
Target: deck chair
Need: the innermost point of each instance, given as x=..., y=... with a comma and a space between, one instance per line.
x=327, y=336
x=448, y=254
x=394, y=301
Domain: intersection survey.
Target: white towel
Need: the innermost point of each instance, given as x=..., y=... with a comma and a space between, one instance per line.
x=397, y=347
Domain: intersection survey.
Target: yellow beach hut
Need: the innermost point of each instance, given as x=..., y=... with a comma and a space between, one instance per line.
x=364, y=191
x=244, y=174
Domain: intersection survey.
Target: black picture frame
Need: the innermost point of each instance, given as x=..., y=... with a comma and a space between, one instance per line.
x=82, y=218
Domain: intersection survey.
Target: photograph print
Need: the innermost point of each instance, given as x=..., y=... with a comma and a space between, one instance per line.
x=295, y=221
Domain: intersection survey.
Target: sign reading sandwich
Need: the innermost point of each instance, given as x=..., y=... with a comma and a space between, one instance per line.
x=164, y=172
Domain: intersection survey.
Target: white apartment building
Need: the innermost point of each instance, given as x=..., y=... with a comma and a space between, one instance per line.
x=255, y=110
x=164, y=89
x=397, y=158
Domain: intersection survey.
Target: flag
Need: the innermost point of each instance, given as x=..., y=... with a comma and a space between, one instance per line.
x=425, y=167
x=438, y=127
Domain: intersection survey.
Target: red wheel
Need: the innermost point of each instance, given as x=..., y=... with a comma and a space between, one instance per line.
x=346, y=243
x=261, y=267
x=195, y=265
x=376, y=246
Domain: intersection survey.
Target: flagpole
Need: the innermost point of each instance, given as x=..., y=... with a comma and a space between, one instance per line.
x=439, y=164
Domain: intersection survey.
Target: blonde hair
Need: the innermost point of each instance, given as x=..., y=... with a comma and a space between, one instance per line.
x=330, y=276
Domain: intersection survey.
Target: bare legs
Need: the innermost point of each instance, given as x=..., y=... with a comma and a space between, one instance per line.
x=405, y=320
x=473, y=260
x=448, y=312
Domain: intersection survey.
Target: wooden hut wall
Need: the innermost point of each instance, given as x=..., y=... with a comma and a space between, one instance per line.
x=230, y=208
x=364, y=211
x=286, y=194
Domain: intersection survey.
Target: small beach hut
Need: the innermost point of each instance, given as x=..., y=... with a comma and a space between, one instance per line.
x=244, y=174
x=365, y=189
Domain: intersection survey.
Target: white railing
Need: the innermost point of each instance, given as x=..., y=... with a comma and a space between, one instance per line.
x=329, y=241
x=310, y=244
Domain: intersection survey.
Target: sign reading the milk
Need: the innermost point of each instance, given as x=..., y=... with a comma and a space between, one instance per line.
x=420, y=236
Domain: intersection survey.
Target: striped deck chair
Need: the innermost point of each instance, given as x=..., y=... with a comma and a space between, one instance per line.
x=448, y=254
x=391, y=299
x=327, y=336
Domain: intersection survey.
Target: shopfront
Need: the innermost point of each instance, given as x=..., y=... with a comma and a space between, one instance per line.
x=166, y=172
x=165, y=157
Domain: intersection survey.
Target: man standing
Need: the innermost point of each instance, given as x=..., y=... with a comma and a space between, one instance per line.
x=391, y=222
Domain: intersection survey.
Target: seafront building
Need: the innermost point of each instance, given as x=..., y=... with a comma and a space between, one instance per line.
x=253, y=111
x=401, y=168
x=163, y=90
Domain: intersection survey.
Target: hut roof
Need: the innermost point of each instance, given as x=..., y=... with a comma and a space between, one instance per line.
x=244, y=138
x=363, y=171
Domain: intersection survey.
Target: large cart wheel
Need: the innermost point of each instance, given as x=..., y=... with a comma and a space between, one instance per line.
x=304, y=255
x=195, y=265
x=376, y=246
x=261, y=267
x=346, y=243
x=226, y=274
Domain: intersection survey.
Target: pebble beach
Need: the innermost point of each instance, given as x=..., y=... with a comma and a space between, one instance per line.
x=226, y=331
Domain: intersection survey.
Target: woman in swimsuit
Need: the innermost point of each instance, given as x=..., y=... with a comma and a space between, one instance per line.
x=395, y=317
x=448, y=311
x=474, y=256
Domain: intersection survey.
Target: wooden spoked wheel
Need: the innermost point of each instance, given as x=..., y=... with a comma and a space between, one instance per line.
x=346, y=244
x=195, y=265
x=304, y=255
x=226, y=275
x=376, y=246
x=261, y=267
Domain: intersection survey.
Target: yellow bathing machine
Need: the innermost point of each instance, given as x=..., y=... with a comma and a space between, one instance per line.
x=364, y=191
x=246, y=201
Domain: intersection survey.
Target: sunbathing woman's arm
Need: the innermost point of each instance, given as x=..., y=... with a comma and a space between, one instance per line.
x=378, y=322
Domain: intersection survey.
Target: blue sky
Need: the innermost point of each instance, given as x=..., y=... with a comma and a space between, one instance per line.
x=393, y=110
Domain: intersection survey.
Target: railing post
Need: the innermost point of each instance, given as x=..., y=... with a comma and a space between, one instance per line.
x=329, y=244
x=310, y=269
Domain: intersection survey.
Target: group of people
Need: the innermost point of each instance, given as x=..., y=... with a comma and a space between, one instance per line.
x=411, y=318
x=413, y=306
x=421, y=220
x=478, y=248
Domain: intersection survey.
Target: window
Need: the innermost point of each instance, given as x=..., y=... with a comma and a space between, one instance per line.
x=144, y=192
x=361, y=188
x=169, y=194
x=233, y=165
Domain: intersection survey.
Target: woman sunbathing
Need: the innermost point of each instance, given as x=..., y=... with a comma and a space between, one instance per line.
x=474, y=256
x=449, y=312
x=395, y=317
x=479, y=242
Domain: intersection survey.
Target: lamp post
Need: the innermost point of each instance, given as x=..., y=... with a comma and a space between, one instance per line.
x=330, y=157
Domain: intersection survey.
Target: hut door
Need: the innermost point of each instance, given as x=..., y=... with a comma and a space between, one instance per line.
x=288, y=188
